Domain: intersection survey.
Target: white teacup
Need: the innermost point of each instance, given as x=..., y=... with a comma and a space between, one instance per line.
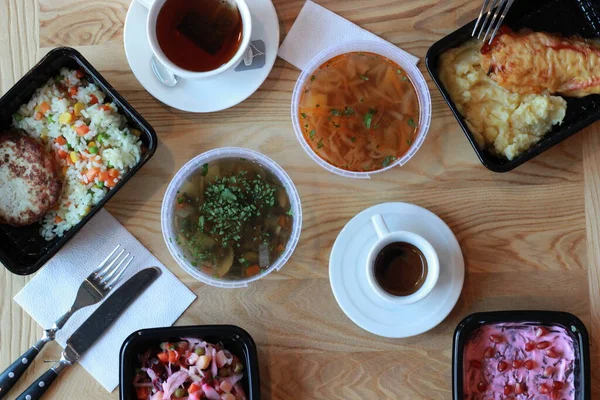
x=154, y=7
x=385, y=237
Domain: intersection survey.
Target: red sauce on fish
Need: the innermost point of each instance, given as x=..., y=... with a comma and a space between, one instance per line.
x=487, y=47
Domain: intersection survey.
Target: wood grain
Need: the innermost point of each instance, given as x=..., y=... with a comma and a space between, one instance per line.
x=81, y=23
x=591, y=152
x=19, y=43
x=529, y=237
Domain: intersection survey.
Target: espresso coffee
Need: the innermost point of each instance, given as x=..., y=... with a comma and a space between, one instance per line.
x=199, y=35
x=400, y=269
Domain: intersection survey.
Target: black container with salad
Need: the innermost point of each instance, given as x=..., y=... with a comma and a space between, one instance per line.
x=216, y=362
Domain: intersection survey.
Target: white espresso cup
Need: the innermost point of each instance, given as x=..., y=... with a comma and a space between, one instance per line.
x=385, y=237
x=154, y=7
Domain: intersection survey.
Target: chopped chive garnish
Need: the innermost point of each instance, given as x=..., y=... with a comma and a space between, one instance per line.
x=388, y=160
x=411, y=123
x=303, y=115
x=364, y=77
x=312, y=134
x=369, y=117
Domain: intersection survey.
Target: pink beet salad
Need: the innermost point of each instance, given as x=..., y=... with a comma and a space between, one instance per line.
x=514, y=362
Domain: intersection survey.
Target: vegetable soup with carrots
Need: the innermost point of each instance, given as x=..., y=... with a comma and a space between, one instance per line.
x=233, y=218
x=359, y=111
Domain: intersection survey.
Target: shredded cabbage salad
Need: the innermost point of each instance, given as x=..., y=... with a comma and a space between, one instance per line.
x=190, y=369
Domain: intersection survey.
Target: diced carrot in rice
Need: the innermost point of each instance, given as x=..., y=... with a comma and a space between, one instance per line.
x=44, y=107
x=92, y=173
x=82, y=130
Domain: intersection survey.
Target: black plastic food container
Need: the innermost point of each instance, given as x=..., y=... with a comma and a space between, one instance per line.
x=233, y=338
x=566, y=17
x=23, y=250
x=569, y=322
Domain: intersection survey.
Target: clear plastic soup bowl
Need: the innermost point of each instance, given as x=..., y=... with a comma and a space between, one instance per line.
x=386, y=50
x=168, y=210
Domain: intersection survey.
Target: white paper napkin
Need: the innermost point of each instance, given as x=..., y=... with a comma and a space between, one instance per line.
x=317, y=28
x=52, y=291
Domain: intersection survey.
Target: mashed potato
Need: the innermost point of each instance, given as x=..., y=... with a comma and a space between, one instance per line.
x=503, y=122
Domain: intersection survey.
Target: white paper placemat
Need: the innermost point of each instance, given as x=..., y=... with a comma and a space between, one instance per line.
x=52, y=291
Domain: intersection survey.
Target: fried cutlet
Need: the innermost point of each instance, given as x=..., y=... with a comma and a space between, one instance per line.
x=29, y=182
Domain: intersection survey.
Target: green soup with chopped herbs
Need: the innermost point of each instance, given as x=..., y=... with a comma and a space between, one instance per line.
x=233, y=218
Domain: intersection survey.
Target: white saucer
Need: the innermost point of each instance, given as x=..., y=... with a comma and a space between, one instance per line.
x=348, y=277
x=212, y=94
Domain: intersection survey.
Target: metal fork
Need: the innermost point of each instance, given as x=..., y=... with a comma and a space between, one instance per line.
x=93, y=289
x=493, y=9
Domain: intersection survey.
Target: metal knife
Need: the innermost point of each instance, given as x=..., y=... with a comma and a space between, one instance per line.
x=85, y=336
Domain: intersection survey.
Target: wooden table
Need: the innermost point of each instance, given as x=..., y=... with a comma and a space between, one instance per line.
x=530, y=237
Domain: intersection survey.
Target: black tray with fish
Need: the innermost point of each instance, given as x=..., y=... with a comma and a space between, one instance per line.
x=564, y=17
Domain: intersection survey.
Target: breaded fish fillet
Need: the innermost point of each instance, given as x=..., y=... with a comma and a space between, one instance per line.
x=538, y=62
x=29, y=182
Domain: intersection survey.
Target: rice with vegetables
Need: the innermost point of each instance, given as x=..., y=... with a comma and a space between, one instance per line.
x=89, y=138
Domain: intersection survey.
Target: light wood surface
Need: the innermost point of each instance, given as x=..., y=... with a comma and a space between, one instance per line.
x=530, y=237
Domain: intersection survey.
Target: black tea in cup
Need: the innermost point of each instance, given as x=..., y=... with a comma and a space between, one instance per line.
x=199, y=35
x=400, y=269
